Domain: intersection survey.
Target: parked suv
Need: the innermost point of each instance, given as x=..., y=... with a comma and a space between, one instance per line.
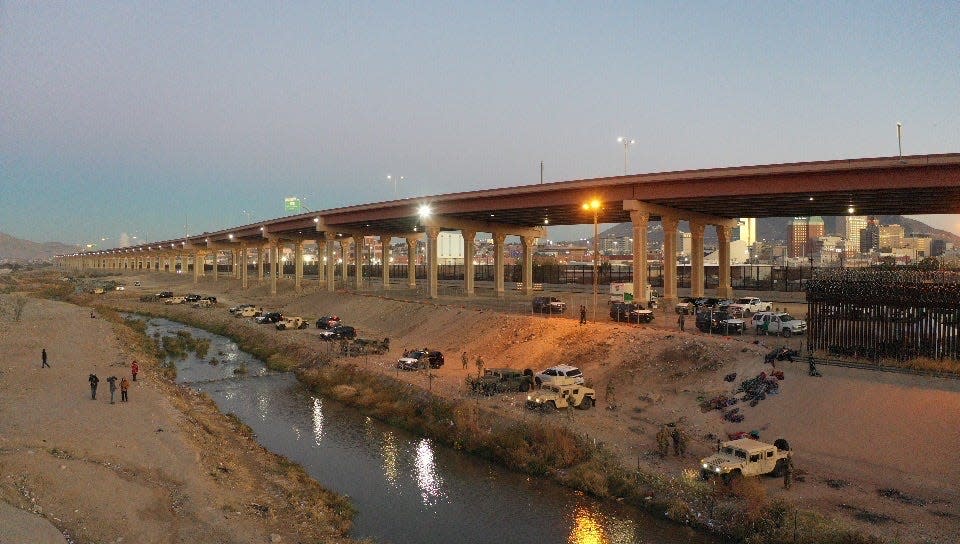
x=421, y=358
x=328, y=322
x=549, y=305
x=720, y=322
x=630, y=312
x=338, y=332
x=554, y=373
x=269, y=317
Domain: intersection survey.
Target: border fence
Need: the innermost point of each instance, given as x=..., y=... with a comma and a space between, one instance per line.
x=891, y=315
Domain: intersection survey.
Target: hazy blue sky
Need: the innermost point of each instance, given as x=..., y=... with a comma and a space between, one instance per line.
x=134, y=117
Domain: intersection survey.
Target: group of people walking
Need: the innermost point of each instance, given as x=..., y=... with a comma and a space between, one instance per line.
x=112, y=380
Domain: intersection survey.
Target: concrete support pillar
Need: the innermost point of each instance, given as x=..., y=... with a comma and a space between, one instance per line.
x=696, y=259
x=469, y=250
x=358, y=259
x=640, y=222
x=344, y=261
x=331, y=262
x=498, y=239
x=260, y=257
x=528, y=244
x=235, y=260
x=670, y=260
x=274, y=266
x=724, y=290
x=298, y=265
x=279, y=268
x=412, y=261
x=432, y=234
x=244, y=273
x=321, y=262
x=197, y=266
x=216, y=265
x=385, y=259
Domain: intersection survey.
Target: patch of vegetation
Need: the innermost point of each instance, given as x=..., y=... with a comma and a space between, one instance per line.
x=183, y=343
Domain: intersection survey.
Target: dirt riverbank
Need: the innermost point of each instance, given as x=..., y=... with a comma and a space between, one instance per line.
x=873, y=450
x=164, y=467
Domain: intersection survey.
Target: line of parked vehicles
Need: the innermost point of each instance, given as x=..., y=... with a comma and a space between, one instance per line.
x=724, y=316
x=197, y=301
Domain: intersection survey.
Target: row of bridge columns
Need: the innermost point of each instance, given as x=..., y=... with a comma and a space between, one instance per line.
x=328, y=243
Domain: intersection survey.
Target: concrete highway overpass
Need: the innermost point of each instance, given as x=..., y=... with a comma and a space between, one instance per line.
x=716, y=197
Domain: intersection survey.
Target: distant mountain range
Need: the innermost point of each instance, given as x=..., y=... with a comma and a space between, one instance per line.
x=778, y=228
x=17, y=250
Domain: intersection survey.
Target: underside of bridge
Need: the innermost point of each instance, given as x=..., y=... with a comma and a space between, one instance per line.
x=927, y=184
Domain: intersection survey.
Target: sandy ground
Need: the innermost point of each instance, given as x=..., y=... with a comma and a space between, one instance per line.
x=163, y=467
x=854, y=432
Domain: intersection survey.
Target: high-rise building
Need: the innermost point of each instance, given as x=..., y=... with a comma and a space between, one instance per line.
x=937, y=247
x=803, y=230
x=891, y=237
x=850, y=227
x=746, y=231
x=870, y=236
x=922, y=243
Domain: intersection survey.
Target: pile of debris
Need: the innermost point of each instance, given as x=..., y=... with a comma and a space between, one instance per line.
x=757, y=388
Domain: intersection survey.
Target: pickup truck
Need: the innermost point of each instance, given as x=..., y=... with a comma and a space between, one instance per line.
x=750, y=304
x=778, y=323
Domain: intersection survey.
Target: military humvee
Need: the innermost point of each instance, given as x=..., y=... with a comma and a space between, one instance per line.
x=562, y=393
x=295, y=322
x=501, y=380
x=746, y=457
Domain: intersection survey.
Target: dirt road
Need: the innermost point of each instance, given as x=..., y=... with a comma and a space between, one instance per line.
x=163, y=467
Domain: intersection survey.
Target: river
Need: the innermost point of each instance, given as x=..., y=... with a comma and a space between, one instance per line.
x=406, y=489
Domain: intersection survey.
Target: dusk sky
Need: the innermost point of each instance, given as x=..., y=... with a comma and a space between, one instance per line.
x=137, y=118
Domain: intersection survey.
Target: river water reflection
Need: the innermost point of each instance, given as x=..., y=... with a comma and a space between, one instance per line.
x=406, y=489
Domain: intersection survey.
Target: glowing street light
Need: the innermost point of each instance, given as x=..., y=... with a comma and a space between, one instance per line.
x=396, y=180
x=594, y=206
x=626, y=143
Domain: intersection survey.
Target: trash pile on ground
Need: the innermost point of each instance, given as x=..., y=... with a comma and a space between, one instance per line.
x=781, y=354
x=757, y=388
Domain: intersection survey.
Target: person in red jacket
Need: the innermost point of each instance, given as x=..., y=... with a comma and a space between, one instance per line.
x=134, y=368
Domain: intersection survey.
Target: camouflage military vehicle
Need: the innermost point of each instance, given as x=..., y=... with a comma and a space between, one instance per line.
x=501, y=380
x=746, y=457
x=562, y=393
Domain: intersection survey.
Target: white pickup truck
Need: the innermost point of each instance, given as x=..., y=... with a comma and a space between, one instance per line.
x=778, y=323
x=750, y=304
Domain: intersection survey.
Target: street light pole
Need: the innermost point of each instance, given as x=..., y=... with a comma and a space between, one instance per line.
x=396, y=180
x=899, y=139
x=594, y=206
x=626, y=142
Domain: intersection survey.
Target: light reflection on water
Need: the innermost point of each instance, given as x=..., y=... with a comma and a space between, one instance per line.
x=406, y=488
x=317, y=421
x=388, y=447
x=430, y=483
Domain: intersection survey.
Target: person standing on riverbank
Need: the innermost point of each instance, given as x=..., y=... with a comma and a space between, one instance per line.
x=134, y=369
x=112, y=380
x=43, y=358
x=94, y=381
x=124, y=385
x=464, y=359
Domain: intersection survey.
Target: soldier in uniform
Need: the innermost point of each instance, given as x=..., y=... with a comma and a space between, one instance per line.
x=663, y=441
x=788, y=473
x=679, y=441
